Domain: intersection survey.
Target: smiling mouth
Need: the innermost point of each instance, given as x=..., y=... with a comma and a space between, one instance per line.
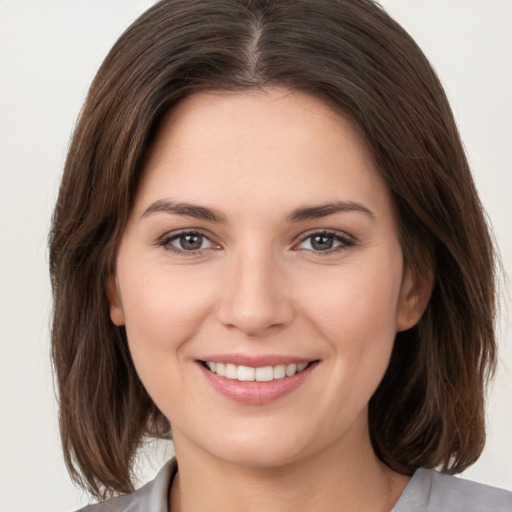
x=255, y=374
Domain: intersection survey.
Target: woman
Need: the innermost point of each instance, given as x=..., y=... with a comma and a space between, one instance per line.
x=268, y=242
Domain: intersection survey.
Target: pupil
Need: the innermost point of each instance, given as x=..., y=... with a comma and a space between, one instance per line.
x=322, y=242
x=191, y=242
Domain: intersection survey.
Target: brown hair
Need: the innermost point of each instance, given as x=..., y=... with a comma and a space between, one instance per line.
x=429, y=408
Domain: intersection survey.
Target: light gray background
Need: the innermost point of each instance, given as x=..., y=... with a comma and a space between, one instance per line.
x=49, y=52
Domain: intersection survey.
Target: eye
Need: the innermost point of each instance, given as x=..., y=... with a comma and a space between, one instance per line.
x=186, y=242
x=325, y=241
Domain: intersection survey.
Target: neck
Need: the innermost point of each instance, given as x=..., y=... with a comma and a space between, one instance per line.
x=343, y=476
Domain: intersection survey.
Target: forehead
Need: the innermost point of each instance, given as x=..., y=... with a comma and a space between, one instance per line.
x=271, y=118
x=282, y=145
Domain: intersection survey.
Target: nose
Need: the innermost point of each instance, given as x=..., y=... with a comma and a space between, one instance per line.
x=255, y=297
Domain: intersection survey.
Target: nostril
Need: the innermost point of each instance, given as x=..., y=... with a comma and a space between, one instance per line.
x=257, y=320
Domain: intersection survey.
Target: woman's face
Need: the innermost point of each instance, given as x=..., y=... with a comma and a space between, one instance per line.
x=261, y=242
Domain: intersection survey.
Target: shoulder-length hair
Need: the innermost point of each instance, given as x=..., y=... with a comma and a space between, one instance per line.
x=429, y=409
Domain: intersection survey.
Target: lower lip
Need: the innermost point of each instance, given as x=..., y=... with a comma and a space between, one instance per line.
x=257, y=393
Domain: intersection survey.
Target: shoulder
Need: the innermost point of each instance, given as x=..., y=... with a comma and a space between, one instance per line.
x=152, y=497
x=458, y=494
x=430, y=491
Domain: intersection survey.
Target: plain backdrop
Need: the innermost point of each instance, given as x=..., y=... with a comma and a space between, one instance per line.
x=49, y=52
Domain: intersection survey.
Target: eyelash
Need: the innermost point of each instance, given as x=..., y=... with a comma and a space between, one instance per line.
x=344, y=241
x=166, y=240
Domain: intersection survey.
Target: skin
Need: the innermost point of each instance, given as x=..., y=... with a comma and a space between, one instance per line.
x=257, y=286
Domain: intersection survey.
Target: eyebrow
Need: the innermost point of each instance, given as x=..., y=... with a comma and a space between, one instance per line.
x=324, y=210
x=191, y=210
x=297, y=215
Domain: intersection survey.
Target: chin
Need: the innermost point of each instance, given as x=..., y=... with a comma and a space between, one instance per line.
x=260, y=449
x=263, y=458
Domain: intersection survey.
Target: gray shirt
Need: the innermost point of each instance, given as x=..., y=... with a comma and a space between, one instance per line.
x=428, y=491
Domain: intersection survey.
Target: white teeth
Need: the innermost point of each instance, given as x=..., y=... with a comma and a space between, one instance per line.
x=280, y=371
x=260, y=374
x=221, y=369
x=291, y=369
x=231, y=371
x=246, y=373
x=264, y=374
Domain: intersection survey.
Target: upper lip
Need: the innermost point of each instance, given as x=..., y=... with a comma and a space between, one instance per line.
x=256, y=361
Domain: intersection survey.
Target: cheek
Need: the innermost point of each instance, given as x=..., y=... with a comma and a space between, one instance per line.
x=162, y=309
x=360, y=302
x=357, y=318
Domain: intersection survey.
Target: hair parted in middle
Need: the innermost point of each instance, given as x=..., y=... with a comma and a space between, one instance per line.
x=428, y=410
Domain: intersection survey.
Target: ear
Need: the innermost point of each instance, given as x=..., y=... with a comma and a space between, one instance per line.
x=414, y=298
x=114, y=300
